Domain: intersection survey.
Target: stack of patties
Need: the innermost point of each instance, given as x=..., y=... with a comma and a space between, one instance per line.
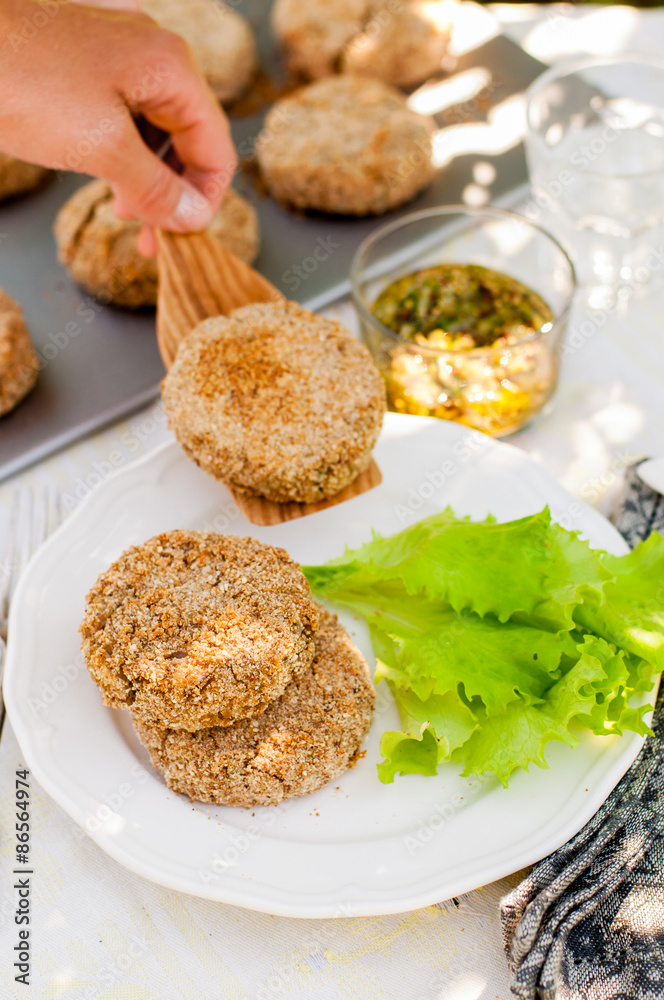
x=244, y=690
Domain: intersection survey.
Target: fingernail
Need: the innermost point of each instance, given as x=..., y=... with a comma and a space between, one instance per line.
x=194, y=211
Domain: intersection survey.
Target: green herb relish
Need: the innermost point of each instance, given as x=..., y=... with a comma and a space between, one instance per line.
x=461, y=306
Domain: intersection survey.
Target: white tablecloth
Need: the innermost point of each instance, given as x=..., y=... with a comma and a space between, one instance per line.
x=99, y=931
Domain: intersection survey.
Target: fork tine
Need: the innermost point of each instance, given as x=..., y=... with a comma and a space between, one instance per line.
x=41, y=517
x=32, y=518
x=34, y=515
x=9, y=565
x=56, y=512
x=23, y=540
x=45, y=516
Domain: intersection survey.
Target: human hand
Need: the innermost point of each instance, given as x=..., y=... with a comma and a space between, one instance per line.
x=71, y=76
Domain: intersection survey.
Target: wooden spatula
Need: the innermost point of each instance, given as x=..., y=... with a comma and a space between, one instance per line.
x=198, y=278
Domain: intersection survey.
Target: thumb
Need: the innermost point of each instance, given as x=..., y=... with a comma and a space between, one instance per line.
x=150, y=191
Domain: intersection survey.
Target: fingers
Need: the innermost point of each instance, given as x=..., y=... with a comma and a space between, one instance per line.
x=183, y=105
x=201, y=139
x=120, y=209
x=147, y=242
x=100, y=65
x=146, y=189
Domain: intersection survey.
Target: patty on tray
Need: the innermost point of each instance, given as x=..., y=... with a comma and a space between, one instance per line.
x=18, y=177
x=347, y=144
x=101, y=253
x=401, y=42
x=220, y=38
x=19, y=364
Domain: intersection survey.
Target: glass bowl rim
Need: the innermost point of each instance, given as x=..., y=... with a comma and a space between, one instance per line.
x=489, y=211
x=577, y=64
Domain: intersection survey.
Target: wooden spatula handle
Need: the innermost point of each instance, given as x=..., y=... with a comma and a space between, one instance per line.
x=199, y=278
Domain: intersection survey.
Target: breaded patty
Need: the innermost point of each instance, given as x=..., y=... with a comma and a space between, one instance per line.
x=19, y=364
x=314, y=34
x=404, y=47
x=276, y=401
x=400, y=42
x=300, y=742
x=101, y=251
x=220, y=39
x=194, y=629
x=18, y=177
x=347, y=144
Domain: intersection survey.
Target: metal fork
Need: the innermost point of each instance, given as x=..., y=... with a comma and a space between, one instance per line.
x=34, y=515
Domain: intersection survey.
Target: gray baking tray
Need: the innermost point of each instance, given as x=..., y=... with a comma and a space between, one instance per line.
x=101, y=363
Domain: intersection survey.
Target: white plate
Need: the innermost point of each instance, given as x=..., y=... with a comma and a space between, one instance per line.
x=652, y=474
x=356, y=847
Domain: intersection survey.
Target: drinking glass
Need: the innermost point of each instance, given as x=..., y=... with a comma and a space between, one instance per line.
x=595, y=148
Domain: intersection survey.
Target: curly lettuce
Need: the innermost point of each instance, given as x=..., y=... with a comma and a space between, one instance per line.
x=496, y=639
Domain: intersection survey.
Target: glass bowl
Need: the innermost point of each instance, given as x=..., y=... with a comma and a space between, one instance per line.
x=495, y=389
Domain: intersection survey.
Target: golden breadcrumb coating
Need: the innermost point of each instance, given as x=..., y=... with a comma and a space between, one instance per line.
x=276, y=401
x=19, y=364
x=347, y=144
x=219, y=37
x=398, y=41
x=101, y=253
x=19, y=177
x=305, y=739
x=194, y=629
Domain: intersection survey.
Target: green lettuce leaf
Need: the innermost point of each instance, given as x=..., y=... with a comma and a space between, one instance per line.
x=611, y=712
x=631, y=612
x=492, y=661
x=430, y=731
x=517, y=738
x=529, y=567
x=495, y=639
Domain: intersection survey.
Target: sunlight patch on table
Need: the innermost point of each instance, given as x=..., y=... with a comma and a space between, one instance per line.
x=510, y=13
x=472, y=26
x=619, y=422
x=484, y=173
x=599, y=33
x=504, y=130
x=464, y=988
x=432, y=98
x=475, y=195
x=63, y=982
